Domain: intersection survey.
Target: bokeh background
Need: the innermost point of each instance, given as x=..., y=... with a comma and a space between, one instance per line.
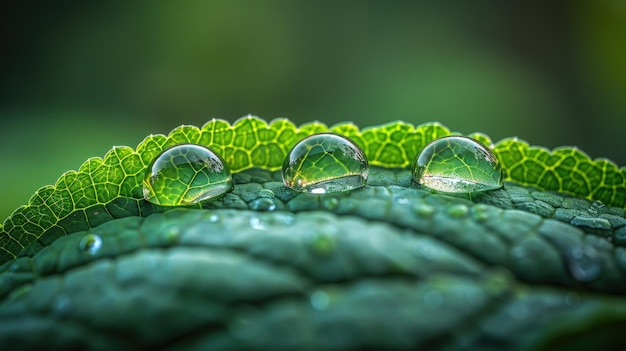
x=78, y=77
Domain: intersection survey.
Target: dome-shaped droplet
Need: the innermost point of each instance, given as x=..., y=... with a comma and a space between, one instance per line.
x=90, y=244
x=186, y=174
x=457, y=164
x=325, y=163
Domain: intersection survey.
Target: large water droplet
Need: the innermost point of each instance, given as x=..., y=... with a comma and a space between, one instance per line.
x=325, y=163
x=90, y=244
x=185, y=175
x=457, y=164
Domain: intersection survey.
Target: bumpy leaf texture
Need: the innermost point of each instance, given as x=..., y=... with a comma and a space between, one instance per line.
x=388, y=266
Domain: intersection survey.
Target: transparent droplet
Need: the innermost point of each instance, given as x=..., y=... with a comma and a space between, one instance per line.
x=268, y=221
x=458, y=210
x=62, y=305
x=185, y=175
x=585, y=265
x=90, y=244
x=322, y=243
x=457, y=164
x=424, y=210
x=319, y=300
x=263, y=204
x=325, y=163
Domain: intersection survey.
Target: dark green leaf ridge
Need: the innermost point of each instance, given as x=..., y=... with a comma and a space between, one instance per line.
x=110, y=187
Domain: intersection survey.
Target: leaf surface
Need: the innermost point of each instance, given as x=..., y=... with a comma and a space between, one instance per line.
x=387, y=266
x=537, y=265
x=108, y=188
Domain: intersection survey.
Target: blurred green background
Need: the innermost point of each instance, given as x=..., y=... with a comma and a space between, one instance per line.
x=79, y=77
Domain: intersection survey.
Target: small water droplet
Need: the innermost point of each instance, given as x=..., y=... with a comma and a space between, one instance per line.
x=319, y=300
x=498, y=283
x=257, y=223
x=62, y=306
x=214, y=218
x=457, y=164
x=171, y=235
x=403, y=201
x=457, y=211
x=423, y=210
x=322, y=243
x=325, y=163
x=480, y=213
x=269, y=220
x=584, y=263
x=262, y=204
x=185, y=175
x=90, y=244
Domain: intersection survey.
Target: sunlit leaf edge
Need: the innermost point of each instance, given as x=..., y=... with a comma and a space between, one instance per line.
x=253, y=142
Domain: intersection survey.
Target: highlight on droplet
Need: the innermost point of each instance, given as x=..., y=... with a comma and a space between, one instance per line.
x=186, y=174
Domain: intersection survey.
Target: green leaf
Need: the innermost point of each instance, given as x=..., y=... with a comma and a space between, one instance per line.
x=107, y=188
x=387, y=266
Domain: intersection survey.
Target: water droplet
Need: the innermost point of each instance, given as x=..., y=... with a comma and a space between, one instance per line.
x=457, y=164
x=214, y=218
x=171, y=236
x=322, y=243
x=457, y=211
x=480, y=213
x=62, y=306
x=263, y=204
x=584, y=263
x=319, y=300
x=267, y=221
x=423, y=210
x=257, y=223
x=90, y=244
x=498, y=282
x=325, y=163
x=185, y=175
x=403, y=201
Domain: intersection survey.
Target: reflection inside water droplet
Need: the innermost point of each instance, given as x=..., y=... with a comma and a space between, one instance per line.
x=90, y=244
x=325, y=163
x=185, y=175
x=457, y=164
